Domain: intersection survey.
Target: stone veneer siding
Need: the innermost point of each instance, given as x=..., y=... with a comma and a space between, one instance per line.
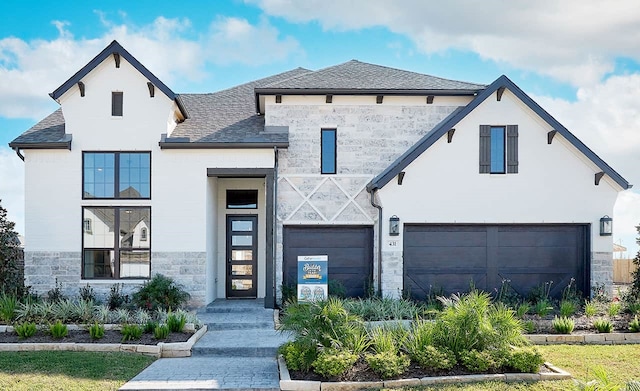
x=369, y=138
x=44, y=268
x=602, y=270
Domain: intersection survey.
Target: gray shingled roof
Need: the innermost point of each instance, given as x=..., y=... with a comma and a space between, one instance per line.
x=229, y=116
x=356, y=75
x=49, y=130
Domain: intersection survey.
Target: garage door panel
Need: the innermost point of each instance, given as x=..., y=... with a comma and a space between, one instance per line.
x=349, y=249
x=527, y=255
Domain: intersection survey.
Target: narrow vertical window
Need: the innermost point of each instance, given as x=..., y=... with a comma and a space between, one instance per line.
x=497, y=150
x=116, y=104
x=328, y=151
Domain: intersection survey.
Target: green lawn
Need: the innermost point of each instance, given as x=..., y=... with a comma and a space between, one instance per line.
x=622, y=363
x=68, y=370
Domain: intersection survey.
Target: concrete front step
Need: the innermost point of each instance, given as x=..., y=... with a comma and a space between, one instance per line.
x=238, y=326
x=208, y=373
x=238, y=320
x=235, y=343
x=235, y=306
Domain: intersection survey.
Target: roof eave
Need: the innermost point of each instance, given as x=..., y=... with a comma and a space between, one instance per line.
x=53, y=145
x=221, y=145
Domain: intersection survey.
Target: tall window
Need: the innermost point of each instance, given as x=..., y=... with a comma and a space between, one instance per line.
x=119, y=244
x=328, y=151
x=125, y=175
x=116, y=104
x=497, y=150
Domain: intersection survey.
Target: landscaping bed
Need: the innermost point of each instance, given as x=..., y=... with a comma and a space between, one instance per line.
x=82, y=336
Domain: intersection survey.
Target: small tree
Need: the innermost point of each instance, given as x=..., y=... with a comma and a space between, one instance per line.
x=633, y=294
x=10, y=253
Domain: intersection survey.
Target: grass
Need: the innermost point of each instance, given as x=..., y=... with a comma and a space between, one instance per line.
x=622, y=363
x=68, y=370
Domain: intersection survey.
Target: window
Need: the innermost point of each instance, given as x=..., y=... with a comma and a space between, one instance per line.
x=125, y=175
x=328, y=151
x=116, y=248
x=87, y=226
x=242, y=199
x=498, y=149
x=116, y=104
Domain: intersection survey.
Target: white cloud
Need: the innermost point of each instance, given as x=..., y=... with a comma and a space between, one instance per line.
x=235, y=40
x=12, y=187
x=29, y=70
x=575, y=40
x=606, y=117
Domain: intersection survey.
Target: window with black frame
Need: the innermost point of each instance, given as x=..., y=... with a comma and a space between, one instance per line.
x=121, y=175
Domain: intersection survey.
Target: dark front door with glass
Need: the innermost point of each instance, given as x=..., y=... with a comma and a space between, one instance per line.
x=242, y=256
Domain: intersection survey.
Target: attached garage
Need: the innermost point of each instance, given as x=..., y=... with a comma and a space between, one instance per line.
x=449, y=257
x=349, y=248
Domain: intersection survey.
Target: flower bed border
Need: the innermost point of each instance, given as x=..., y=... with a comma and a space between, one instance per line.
x=161, y=350
x=286, y=384
x=585, y=339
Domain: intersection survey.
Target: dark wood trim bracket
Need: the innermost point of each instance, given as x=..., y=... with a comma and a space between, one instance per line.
x=116, y=57
x=551, y=135
x=152, y=89
x=81, y=87
x=450, y=134
x=499, y=93
x=599, y=176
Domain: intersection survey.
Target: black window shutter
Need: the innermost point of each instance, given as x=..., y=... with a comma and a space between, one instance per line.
x=116, y=104
x=485, y=149
x=512, y=149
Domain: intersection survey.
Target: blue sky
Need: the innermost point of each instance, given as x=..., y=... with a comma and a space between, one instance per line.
x=579, y=59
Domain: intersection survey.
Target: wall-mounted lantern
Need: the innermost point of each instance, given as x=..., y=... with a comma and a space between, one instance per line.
x=394, y=225
x=606, y=226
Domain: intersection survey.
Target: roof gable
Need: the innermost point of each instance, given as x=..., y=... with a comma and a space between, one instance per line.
x=443, y=127
x=115, y=48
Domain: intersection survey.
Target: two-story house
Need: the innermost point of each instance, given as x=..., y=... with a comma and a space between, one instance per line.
x=407, y=182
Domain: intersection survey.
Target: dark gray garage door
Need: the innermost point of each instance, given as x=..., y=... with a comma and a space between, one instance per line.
x=350, y=251
x=450, y=257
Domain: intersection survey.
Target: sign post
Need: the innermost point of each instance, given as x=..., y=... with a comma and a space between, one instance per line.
x=312, y=278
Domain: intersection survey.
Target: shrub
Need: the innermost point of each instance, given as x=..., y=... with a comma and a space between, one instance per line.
x=420, y=337
x=63, y=309
x=141, y=316
x=58, y=330
x=337, y=289
x=334, y=363
x=83, y=311
x=603, y=325
x=372, y=309
x=150, y=326
x=8, y=305
x=101, y=313
x=633, y=307
x=161, y=332
x=176, y=322
x=614, y=308
x=131, y=332
x=160, y=292
x=323, y=323
x=25, y=330
x=116, y=299
x=96, y=331
x=563, y=325
x=472, y=322
x=529, y=327
x=634, y=325
x=523, y=309
x=388, y=364
x=590, y=308
x=55, y=294
x=357, y=339
x=431, y=357
x=526, y=360
x=299, y=356
x=478, y=361
x=543, y=307
x=86, y=293
x=11, y=276
x=567, y=308
x=121, y=315
x=387, y=339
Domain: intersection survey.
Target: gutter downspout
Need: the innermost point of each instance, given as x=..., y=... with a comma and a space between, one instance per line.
x=21, y=156
x=379, y=207
x=275, y=222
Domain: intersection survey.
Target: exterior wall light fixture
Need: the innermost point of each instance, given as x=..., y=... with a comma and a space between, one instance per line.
x=606, y=226
x=394, y=225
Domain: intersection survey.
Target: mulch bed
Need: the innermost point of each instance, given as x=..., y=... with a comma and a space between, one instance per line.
x=361, y=372
x=81, y=336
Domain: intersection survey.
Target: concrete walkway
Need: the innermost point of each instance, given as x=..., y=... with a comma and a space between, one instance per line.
x=238, y=352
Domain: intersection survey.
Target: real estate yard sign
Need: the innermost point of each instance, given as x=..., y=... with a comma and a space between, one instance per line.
x=312, y=278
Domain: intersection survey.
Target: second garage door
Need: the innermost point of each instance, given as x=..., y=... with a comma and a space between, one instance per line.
x=350, y=251
x=450, y=257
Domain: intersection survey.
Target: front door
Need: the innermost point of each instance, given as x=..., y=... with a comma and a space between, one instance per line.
x=242, y=256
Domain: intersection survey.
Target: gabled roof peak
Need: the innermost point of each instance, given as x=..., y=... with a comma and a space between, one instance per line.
x=115, y=48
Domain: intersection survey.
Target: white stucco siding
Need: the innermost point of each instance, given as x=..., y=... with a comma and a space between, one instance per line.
x=53, y=190
x=89, y=118
x=554, y=183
